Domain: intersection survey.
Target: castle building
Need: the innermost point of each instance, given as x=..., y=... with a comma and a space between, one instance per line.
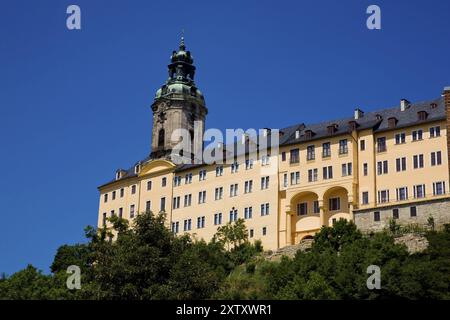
x=370, y=168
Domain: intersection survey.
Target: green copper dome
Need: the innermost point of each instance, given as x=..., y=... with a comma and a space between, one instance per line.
x=181, y=76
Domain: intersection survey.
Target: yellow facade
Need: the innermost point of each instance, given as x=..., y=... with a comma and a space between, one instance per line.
x=369, y=168
x=299, y=197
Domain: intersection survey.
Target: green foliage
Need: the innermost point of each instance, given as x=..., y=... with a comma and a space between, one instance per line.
x=149, y=262
x=231, y=234
x=333, y=238
x=394, y=227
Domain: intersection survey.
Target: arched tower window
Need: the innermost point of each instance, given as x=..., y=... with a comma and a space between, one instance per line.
x=161, y=138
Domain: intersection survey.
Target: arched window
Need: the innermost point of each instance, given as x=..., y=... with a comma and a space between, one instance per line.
x=161, y=138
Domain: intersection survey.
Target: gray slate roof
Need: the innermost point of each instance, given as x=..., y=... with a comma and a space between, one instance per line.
x=377, y=120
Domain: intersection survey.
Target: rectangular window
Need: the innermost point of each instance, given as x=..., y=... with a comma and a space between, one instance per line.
x=264, y=209
x=376, y=216
x=251, y=233
x=219, y=171
x=104, y=219
x=400, y=138
x=248, y=213
x=149, y=185
x=365, y=169
x=233, y=215
x=188, y=178
x=310, y=153
x=164, y=182
x=334, y=204
x=218, y=218
x=295, y=156
x=248, y=164
x=343, y=146
x=402, y=193
x=285, y=180
x=419, y=191
x=264, y=231
x=175, y=227
x=113, y=195
x=383, y=196
x=105, y=198
x=187, y=200
x=248, y=186
x=400, y=164
x=302, y=209
x=382, y=167
x=435, y=132
x=187, y=224
x=436, y=158
x=264, y=183
x=122, y=192
x=327, y=172
x=265, y=160
x=413, y=212
x=417, y=135
x=218, y=193
x=295, y=178
x=234, y=167
x=365, y=197
x=316, y=208
x=148, y=205
x=418, y=161
x=162, y=205
x=347, y=169
x=176, y=203
x=202, y=197
x=312, y=175
x=112, y=213
x=200, y=222
x=326, y=150
x=362, y=145
x=283, y=156
x=395, y=214
x=202, y=175
x=233, y=190
x=133, y=189
x=176, y=181
x=438, y=188
x=132, y=211
x=120, y=213
x=381, y=144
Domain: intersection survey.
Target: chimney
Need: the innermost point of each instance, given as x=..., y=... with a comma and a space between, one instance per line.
x=358, y=113
x=404, y=104
x=446, y=96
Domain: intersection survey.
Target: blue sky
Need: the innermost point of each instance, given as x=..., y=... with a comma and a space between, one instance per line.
x=75, y=105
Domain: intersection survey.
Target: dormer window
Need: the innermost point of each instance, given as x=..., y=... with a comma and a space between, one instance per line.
x=379, y=117
x=392, y=122
x=422, y=115
x=119, y=174
x=137, y=168
x=332, y=129
x=433, y=105
x=352, y=125
x=297, y=134
x=309, y=134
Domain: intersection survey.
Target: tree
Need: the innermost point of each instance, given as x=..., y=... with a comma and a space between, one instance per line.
x=335, y=237
x=232, y=234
